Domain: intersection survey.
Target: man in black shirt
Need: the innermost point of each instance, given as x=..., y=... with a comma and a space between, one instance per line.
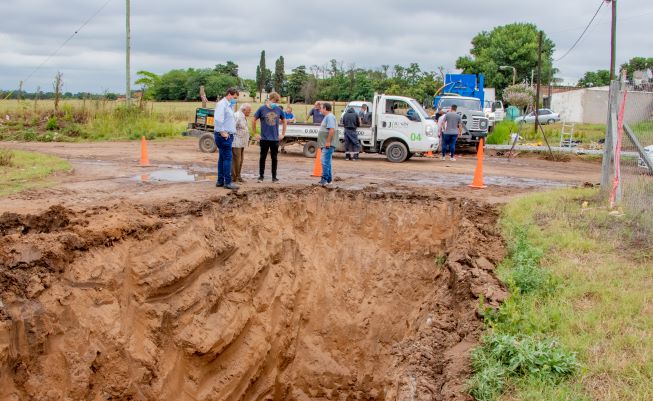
x=351, y=122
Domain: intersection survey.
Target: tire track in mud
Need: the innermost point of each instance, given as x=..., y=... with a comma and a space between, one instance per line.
x=287, y=294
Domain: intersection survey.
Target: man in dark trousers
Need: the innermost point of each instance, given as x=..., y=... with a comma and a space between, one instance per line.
x=271, y=115
x=351, y=122
x=452, y=126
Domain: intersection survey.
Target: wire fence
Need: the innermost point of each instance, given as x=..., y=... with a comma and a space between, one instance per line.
x=634, y=137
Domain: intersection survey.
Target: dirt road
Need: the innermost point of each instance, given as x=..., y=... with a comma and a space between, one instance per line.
x=107, y=172
x=128, y=283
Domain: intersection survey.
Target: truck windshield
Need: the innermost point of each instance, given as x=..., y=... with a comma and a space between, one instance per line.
x=420, y=110
x=468, y=104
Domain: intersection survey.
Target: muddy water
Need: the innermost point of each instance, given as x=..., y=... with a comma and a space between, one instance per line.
x=308, y=294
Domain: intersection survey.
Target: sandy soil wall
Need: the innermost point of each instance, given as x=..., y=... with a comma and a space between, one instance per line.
x=286, y=294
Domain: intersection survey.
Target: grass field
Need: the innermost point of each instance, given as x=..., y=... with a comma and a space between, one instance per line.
x=23, y=170
x=97, y=120
x=581, y=280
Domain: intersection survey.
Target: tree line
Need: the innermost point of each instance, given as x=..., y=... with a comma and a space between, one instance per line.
x=332, y=81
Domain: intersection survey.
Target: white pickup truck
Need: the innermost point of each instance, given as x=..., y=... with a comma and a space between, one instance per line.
x=400, y=128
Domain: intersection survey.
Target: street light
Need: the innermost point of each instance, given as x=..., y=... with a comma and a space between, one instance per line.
x=514, y=71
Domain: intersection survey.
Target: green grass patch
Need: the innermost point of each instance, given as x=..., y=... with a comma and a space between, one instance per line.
x=579, y=322
x=27, y=170
x=587, y=133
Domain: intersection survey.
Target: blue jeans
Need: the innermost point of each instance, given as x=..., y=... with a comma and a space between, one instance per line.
x=224, y=157
x=327, y=154
x=449, y=143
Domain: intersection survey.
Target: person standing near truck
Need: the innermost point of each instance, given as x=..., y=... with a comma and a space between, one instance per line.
x=225, y=129
x=365, y=115
x=327, y=139
x=241, y=140
x=351, y=122
x=452, y=125
x=270, y=115
x=316, y=114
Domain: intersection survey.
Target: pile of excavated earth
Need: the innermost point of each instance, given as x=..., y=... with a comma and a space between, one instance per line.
x=285, y=294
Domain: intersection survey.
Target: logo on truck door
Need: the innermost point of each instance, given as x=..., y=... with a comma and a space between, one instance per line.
x=397, y=124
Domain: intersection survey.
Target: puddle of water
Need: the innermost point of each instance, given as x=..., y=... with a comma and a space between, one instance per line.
x=174, y=175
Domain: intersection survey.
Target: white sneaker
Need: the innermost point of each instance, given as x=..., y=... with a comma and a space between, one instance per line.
x=453, y=159
x=443, y=158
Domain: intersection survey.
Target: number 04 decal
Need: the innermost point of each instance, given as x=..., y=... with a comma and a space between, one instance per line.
x=415, y=137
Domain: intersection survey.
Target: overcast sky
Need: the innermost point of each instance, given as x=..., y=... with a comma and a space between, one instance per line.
x=169, y=34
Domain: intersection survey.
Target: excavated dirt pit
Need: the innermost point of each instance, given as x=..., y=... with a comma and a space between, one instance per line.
x=289, y=294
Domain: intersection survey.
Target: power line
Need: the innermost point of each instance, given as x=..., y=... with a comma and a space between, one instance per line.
x=63, y=44
x=583, y=33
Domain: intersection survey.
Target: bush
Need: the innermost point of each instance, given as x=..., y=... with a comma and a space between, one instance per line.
x=501, y=133
x=503, y=356
x=526, y=275
x=29, y=135
x=52, y=124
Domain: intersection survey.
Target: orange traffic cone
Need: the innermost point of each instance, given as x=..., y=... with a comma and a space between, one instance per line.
x=145, y=162
x=478, y=173
x=429, y=154
x=317, y=166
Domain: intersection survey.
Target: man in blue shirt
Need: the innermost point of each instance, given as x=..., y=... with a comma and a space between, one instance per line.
x=225, y=129
x=316, y=113
x=327, y=140
x=270, y=115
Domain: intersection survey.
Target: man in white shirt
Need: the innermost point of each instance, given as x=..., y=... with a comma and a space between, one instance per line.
x=225, y=129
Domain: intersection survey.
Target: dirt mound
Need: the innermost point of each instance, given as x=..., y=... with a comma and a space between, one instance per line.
x=304, y=294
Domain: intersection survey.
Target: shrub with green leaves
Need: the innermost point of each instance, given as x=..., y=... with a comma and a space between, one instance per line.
x=52, y=124
x=504, y=356
x=525, y=274
x=515, y=348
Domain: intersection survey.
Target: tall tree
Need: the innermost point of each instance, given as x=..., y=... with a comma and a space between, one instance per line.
x=280, y=76
x=57, y=85
x=230, y=68
x=296, y=81
x=148, y=81
x=261, y=76
x=268, y=80
x=507, y=45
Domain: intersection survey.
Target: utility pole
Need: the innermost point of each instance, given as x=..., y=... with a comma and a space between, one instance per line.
x=607, y=166
x=127, y=51
x=613, y=41
x=20, y=90
x=539, y=80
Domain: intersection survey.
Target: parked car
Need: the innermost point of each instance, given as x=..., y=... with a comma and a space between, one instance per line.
x=649, y=153
x=544, y=116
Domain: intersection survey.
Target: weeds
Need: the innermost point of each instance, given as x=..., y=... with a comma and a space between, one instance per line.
x=508, y=353
x=97, y=122
x=504, y=357
x=6, y=157
x=595, y=305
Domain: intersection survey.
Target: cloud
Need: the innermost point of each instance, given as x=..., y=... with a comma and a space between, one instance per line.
x=367, y=33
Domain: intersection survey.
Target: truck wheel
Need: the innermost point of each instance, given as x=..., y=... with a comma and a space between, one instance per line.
x=310, y=149
x=396, y=152
x=207, y=143
x=550, y=121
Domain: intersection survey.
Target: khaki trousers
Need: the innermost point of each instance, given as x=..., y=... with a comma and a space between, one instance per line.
x=237, y=164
